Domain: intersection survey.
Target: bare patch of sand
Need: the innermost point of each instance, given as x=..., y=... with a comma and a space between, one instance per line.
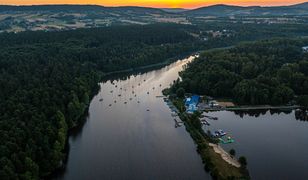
x=226, y=104
x=225, y=156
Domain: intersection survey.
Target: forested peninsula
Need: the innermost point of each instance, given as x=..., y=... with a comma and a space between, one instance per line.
x=268, y=72
x=47, y=79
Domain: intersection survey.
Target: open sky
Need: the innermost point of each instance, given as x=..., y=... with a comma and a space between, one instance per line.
x=156, y=3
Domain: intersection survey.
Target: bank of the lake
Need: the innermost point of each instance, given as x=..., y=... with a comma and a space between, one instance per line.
x=151, y=66
x=75, y=128
x=250, y=108
x=218, y=167
x=273, y=141
x=130, y=133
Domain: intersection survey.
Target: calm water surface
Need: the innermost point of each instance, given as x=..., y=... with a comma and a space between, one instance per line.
x=275, y=144
x=131, y=134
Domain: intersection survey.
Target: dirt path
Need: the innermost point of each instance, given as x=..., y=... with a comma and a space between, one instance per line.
x=225, y=156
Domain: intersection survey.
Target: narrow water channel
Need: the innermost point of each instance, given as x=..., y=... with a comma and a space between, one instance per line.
x=130, y=133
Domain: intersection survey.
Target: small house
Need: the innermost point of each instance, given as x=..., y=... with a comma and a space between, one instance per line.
x=191, y=103
x=213, y=103
x=305, y=49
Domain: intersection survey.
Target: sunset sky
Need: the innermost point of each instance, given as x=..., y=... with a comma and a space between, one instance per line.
x=155, y=3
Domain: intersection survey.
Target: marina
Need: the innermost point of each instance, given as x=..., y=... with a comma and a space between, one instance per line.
x=137, y=138
x=265, y=151
x=138, y=118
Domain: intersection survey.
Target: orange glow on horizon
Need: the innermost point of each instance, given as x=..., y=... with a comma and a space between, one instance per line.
x=155, y=3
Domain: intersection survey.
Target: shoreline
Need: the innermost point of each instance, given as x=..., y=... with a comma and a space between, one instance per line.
x=156, y=65
x=216, y=160
x=57, y=172
x=224, y=155
x=248, y=108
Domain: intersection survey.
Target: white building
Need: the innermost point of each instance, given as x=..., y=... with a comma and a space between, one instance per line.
x=305, y=49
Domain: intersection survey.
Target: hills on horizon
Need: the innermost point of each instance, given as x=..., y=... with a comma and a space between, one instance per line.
x=230, y=10
x=213, y=10
x=66, y=17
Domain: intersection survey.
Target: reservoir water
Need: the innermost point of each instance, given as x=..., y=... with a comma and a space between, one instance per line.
x=274, y=143
x=130, y=133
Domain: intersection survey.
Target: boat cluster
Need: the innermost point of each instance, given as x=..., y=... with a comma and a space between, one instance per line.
x=221, y=135
x=174, y=114
x=134, y=93
x=218, y=134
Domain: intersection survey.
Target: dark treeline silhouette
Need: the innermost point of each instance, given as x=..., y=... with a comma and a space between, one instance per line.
x=301, y=115
x=258, y=113
x=48, y=79
x=266, y=72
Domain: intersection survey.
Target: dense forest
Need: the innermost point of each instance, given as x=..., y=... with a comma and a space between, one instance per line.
x=48, y=79
x=239, y=32
x=265, y=72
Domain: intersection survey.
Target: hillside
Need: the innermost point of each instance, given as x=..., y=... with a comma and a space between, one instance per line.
x=227, y=10
x=78, y=8
x=174, y=10
x=67, y=17
x=302, y=5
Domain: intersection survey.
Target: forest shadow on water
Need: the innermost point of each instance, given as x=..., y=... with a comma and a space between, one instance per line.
x=130, y=132
x=267, y=139
x=300, y=114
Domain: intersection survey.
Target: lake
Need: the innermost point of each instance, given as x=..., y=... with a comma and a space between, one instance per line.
x=274, y=143
x=130, y=133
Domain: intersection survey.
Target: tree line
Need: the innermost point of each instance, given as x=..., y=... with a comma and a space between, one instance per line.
x=265, y=72
x=47, y=80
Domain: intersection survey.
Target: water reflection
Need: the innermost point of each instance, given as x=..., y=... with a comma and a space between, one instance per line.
x=130, y=133
x=114, y=78
x=274, y=142
x=258, y=113
x=301, y=115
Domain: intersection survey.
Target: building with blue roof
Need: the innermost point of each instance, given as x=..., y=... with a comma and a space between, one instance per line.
x=191, y=103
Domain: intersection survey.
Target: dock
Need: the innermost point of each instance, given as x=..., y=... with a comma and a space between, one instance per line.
x=247, y=108
x=210, y=117
x=174, y=114
x=204, y=122
x=178, y=123
x=160, y=96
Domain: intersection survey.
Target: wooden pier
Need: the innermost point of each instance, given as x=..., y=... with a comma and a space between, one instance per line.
x=247, y=108
x=178, y=123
